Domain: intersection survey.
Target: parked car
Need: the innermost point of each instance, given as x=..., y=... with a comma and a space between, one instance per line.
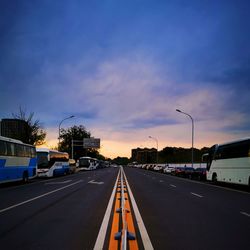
x=168, y=169
x=150, y=167
x=188, y=172
x=179, y=171
x=157, y=168
x=200, y=174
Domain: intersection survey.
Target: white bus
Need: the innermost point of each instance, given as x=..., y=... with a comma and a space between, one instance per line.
x=229, y=162
x=17, y=160
x=87, y=163
x=51, y=163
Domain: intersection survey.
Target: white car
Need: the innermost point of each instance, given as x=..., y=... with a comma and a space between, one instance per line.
x=158, y=168
x=168, y=169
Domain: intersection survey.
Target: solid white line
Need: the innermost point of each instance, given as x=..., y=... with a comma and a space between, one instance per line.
x=246, y=214
x=172, y=185
x=103, y=229
x=198, y=195
x=38, y=197
x=144, y=234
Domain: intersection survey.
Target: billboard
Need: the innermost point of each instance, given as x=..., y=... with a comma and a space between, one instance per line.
x=91, y=142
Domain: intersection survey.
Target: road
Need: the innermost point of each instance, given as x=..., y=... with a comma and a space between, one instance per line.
x=183, y=214
x=67, y=212
x=65, y=219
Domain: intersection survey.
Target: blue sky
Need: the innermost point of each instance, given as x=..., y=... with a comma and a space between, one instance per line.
x=124, y=67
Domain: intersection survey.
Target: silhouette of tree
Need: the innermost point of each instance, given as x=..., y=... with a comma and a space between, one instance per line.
x=35, y=134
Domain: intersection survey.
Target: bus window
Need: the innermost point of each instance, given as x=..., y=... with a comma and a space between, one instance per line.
x=234, y=150
x=33, y=151
x=3, y=148
x=11, y=149
x=20, y=150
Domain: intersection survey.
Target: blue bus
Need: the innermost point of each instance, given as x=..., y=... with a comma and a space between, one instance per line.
x=51, y=163
x=18, y=161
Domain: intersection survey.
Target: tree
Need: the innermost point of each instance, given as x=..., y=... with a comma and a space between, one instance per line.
x=35, y=134
x=121, y=160
x=180, y=155
x=77, y=133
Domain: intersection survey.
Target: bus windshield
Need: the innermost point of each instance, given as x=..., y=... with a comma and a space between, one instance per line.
x=42, y=160
x=84, y=162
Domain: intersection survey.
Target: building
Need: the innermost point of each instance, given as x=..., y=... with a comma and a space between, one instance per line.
x=14, y=128
x=144, y=155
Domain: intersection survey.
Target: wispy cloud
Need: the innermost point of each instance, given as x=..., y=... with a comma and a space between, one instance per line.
x=124, y=68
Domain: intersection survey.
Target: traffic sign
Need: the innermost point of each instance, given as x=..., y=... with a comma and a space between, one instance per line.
x=91, y=142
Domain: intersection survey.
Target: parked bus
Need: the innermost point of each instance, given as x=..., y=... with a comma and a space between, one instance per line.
x=229, y=162
x=87, y=163
x=17, y=160
x=51, y=163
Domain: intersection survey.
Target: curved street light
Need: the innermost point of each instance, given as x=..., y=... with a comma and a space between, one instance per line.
x=156, y=146
x=192, y=133
x=60, y=128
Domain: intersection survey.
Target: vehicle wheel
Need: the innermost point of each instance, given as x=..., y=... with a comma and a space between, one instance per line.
x=214, y=178
x=25, y=177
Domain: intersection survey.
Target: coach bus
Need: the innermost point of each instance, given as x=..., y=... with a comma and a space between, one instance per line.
x=17, y=160
x=51, y=163
x=229, y=162
x=87, y=163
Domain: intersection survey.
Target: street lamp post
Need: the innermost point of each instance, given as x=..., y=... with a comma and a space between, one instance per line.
x=156, y=146
x=192, y=133
x=60, y=128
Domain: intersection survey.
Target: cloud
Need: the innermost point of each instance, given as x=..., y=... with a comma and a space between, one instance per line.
x=123, y=69
x=131, y=92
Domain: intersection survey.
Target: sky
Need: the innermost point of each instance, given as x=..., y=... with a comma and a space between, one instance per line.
x=123, y=67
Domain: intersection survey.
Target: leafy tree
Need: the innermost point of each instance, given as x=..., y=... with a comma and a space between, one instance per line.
x=35, y=134
x=77, y=133
x=180, y=155
x=121, y=160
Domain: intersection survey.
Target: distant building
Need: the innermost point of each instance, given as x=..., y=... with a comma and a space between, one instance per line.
x=144, y=155
x=14, y=128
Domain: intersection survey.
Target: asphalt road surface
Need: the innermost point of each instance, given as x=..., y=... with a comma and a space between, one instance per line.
x=61, y=213
x=183, y=214
x=67, y=212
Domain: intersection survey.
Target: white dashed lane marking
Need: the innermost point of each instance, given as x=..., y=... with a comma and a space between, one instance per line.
x=172, y=185
x=246, y=214
x=198, y=195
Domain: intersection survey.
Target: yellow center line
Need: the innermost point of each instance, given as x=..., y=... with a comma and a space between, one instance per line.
x=117, y=219
x=113, y=244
